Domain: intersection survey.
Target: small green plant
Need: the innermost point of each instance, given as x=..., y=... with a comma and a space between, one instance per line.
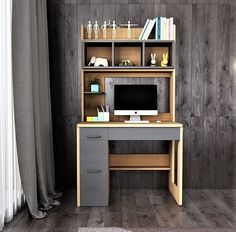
x=95, y=81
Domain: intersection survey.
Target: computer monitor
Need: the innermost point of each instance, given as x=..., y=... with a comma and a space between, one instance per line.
x=135, y=100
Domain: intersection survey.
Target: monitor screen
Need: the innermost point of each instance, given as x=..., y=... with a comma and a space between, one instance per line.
x=135, y=97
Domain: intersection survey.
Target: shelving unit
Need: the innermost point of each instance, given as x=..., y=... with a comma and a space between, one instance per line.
x=137, y=51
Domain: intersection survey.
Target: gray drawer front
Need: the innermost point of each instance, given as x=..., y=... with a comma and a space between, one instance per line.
x=144, y=133
x=94, y=189
x=93, y=134
x=94, y=173
x=94, y=155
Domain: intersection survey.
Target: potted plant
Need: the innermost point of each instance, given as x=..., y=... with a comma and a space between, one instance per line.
x=94, y=84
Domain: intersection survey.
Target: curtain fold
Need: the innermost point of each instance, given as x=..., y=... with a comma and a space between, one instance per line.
x=11, y=193
x=33, y=104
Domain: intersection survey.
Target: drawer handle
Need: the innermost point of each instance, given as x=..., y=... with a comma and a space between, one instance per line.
x=94, y=136
x=93, y=170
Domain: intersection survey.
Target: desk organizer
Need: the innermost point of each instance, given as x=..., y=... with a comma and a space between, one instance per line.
x=102, y=117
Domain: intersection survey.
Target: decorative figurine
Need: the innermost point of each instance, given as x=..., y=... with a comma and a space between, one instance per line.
x=89, y=30
x=96, y=30
x=96, y=61
x=153, y=59
x=129, y=31
x=126, y=63
x=128, y=25
x=114, y=29
x=104, y=30
x=164, y=62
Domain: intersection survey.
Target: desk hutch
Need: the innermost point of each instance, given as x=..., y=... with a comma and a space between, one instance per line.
x=94, y=161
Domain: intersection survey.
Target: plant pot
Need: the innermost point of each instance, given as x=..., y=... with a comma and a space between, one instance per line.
x=94, y=88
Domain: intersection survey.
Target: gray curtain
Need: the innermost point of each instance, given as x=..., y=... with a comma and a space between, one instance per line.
x=33, y=105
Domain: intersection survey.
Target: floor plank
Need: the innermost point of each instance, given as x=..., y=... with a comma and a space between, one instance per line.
x=139, y=208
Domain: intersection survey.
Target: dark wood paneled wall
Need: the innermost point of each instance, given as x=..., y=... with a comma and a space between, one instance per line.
x=205, y=92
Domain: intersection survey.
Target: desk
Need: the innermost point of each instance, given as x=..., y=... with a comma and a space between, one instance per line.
x=94, y=161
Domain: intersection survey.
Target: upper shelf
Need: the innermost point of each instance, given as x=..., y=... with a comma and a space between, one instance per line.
x=126, y=41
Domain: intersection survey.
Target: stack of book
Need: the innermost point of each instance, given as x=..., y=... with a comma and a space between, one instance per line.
x=163, y=27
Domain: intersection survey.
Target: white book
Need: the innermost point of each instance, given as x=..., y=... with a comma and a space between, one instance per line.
x=144, y=28
x=171, y=31
x=174, y=32
x=149, y=29
x=167, y=28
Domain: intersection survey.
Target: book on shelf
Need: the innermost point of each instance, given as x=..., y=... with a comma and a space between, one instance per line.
x=144, y=28
x=149, y=29
x=163, y=28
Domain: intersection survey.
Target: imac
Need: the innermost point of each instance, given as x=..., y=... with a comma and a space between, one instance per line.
x=135, y=100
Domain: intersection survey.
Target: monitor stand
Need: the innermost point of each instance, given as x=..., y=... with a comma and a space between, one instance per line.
x=135, y=119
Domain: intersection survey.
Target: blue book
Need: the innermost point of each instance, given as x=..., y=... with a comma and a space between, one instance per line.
x=156, y=32
x=159, y=28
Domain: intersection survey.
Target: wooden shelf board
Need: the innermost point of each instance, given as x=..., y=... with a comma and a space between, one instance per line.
x=139, y=168
x=94, y=93
x=129, y=67
x=126, y=41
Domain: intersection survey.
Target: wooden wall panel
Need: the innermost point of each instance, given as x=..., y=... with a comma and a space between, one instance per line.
x=184, y=81
x=210, y=63
x=205, y=86
x=222, y=71
x=198, y=59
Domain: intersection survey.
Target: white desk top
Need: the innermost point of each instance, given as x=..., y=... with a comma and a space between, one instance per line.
x=122, y=124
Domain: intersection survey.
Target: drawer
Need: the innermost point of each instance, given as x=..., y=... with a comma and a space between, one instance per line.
x=93, y=134
x=94, y=189
x=144, y=133
x=93, y=152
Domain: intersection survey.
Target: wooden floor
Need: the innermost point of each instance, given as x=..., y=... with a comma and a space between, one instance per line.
x=138, y=209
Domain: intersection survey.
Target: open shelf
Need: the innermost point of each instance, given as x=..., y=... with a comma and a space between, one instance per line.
x=128, y=51
x=137, y=51
x=128, y=67
x=101, y=49
x=139, y=168
x=94, y=93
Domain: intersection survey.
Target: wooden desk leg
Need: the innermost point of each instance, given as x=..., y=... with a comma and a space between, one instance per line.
x=177, y=189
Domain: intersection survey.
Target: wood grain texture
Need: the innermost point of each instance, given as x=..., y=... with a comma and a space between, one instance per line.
x=139, y=208
x=223, y=32
x=205, y=87
x=210, y=62
x=198, y=59
x=184, y=81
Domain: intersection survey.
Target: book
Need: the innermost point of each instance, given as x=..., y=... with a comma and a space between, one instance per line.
x=158, y=28
x=174, y=32
x=167, y=28
x=144, y=28
x=162, y=37
x=149, y=29
x=171, y=35
x=144, y=33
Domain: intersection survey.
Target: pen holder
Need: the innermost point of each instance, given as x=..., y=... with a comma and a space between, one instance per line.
x=103, y=116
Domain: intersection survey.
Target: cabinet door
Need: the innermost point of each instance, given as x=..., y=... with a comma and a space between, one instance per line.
x=94, y=173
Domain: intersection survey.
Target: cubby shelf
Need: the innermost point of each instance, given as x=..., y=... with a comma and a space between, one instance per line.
x=137, y=51
x=128, y=67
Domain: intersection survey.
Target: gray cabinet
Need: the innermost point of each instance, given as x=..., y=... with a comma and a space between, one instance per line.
x=94, y=171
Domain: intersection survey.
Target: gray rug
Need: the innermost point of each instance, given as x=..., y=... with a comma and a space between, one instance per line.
x=116, y=229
